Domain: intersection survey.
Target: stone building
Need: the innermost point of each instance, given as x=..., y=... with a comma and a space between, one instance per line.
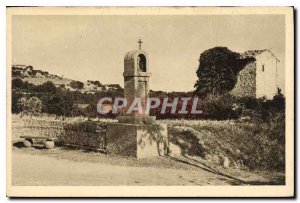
x=259, y=77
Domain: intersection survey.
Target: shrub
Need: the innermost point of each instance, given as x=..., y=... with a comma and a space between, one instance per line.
x=17, y=83
x=76, y=84
x=219, y=107
x=262, y=109
x=266, y=150
x=59, y=104
x=33, y=105
x=48, y=87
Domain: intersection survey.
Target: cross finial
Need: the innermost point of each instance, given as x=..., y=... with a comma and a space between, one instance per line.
x=140, y=43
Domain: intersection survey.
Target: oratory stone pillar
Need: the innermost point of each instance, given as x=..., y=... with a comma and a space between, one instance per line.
x=137, y=134
x=136, y=86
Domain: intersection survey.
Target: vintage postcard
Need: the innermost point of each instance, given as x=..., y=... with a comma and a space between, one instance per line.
x=150, y=102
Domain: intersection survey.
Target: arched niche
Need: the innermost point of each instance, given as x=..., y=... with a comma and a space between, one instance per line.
x=141, y=63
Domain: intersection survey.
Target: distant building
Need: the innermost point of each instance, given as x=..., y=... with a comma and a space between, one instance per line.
x=19, y=66
x=258, y=78
x=113, y=87
x=39, y=75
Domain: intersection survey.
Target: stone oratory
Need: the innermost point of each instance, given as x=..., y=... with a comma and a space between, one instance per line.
x=137, y=134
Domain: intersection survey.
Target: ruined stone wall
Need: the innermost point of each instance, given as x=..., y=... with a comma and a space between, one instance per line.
x=246, y=82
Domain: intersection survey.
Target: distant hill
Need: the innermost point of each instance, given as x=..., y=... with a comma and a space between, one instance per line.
x=38, y=77
x=24, y=71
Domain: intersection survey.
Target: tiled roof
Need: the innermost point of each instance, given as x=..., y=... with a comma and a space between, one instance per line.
x=254, y=53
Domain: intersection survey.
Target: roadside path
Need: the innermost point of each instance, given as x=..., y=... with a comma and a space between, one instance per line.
x=40, y=170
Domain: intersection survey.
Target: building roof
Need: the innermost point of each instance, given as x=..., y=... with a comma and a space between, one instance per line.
x=133, y=54
x=254, y=53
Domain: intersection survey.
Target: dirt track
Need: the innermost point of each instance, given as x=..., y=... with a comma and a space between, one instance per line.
x=39, y=169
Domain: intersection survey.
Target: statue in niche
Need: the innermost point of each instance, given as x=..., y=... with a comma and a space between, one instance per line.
x=141, y=63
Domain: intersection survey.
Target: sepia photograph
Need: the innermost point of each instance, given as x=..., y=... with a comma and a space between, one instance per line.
x=150, y=101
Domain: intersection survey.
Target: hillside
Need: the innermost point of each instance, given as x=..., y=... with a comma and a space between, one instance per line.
x=39, y=81
x=38, y=77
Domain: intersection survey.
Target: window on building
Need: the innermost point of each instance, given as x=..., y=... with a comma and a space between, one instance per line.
x=263, y=67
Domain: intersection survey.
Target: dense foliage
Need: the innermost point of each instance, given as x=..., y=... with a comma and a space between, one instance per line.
x=58, y=100
x=76, y=84
x=217, y=71
x=63, y=102
x=32, y=106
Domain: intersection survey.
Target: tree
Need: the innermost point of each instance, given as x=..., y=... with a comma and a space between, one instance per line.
x=22, y=104
x=33, y=105
x=17, y=83
x=59, y=104
x=76, y=84
x=96, y=83
x=48, y=87
x=14, y=102
x=217, y=72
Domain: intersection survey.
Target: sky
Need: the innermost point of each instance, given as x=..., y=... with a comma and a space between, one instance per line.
x=93, y=47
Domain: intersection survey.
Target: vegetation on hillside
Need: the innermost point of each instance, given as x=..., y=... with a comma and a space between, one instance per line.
x=58, y=100
x=243, y=145
x=32, y=105
x=76, y=85
x=22, y=71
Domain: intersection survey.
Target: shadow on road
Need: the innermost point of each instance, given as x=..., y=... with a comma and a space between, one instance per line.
x=232, y=180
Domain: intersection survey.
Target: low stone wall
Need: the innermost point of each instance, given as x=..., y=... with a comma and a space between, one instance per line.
x=86, y=135
x=125, y=139
x=38, y=127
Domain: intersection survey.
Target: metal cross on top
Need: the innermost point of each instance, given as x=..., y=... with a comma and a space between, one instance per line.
x=140, y=43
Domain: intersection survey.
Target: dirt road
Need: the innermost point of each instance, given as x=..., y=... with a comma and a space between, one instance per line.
x=38, y=169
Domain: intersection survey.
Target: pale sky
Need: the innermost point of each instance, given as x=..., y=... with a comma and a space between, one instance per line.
x=93, y=47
